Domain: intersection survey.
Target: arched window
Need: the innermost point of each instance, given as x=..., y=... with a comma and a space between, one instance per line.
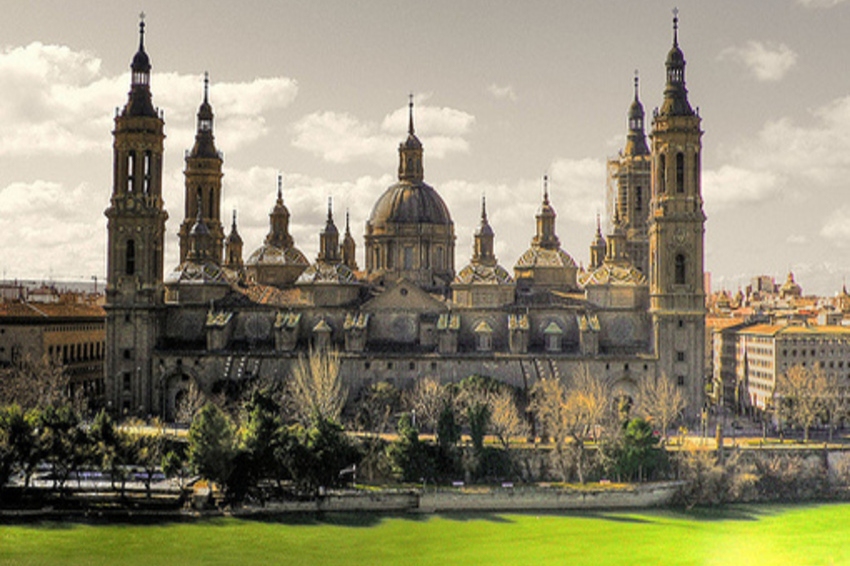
x=130, y=258
x=131, y=170
x=147, y=179
x=662, y=172
x=680, y=172
x=680, y=270
x=639, y=199
x=210, y=205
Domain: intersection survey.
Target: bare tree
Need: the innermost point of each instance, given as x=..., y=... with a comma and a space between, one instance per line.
x=505, y=421
x=799, y=397
x=660, y=401
x=427, y=399
x=836, y=400
x=190, y=404
x=315, y=389
x=571, y=413
x=35, y=383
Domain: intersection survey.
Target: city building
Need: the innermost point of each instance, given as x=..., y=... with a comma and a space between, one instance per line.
x=636, y=313
x=68, y=334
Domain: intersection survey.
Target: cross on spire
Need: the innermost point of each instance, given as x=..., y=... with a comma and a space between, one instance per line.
x=410, y=118
x=206, y=86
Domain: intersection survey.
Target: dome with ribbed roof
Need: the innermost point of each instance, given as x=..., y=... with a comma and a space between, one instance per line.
x=407, y=203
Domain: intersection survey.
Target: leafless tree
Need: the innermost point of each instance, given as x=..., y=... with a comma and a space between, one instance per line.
x=505, y=421
x=570, y=414
x=660, y=401
x=315, y=389
x=799, y=397
x=427, y=399
x=192, y=401
x=36, y=383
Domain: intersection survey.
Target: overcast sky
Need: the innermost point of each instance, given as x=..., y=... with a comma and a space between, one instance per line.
x=505, y=93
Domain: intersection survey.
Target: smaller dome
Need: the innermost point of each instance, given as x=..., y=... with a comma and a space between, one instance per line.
x=543, y=257
x=268, y=254
x=200, y=273
x=483, y=275
x=612, y=274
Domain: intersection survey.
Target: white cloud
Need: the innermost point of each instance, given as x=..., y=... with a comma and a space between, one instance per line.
x=54, y=100
x=837, y=227
x=767, y=61
x=500, y=92
x=731, y=186
x=42, y=217
x=339, y=137
x=797, y=239
x=820, y=3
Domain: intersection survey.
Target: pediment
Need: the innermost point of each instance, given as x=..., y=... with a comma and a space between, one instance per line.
x=405, y=296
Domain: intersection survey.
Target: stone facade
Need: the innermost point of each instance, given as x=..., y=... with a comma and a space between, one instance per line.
x=409, y=314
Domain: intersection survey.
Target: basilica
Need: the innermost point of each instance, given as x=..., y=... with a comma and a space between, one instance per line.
x=220, y=320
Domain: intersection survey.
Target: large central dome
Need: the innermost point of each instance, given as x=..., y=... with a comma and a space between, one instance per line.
x=406, y=203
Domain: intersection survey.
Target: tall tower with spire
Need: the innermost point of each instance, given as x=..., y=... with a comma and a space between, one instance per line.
x=233, y=248
x=349, y=248
x=676, y=234
x=203, y=182
x=632, y=176
x=135, y=237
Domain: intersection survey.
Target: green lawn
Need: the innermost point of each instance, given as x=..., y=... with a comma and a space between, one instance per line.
x=751, y=535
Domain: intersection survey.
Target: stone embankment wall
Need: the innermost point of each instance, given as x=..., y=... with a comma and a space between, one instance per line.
x=483, y=499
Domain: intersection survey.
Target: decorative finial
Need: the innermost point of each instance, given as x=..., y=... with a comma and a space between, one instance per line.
x=234, y=218
x=598, y=226
x=330, y=208
x=410, y=120
x=280, y=186
x=676, y=27
x=546, y=189
x=483, y=209
x=142, y=31
x=637, y=83
x=206, y=86
x=346, y=221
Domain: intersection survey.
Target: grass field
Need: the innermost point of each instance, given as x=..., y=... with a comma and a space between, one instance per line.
x=751, y=535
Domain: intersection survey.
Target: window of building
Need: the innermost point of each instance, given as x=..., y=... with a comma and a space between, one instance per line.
x=661, y=174
x=638, y=199
x=389, y=365
x=680, y=172
x=130, y=258
x=411, y=366
x=408, y=257
x=131, y=170
x=433, y=366
x=680, y=269
x=680, y=356
x=126, y=381
x=126, y=354
x=680, y=380
x=367, y=365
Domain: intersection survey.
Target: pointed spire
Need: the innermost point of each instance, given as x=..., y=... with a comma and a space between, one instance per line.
x=329, y=239
x=279, y=235
x=233, y=226
x=483, y=208
x=545, y=189
x=410, y=129
x=546, y=237
x=204, y=141
x=349, y=248
x=675, y=27
x=410, y=153
x=206, y=86
x=140, y=103
x=675, y=94
x=636, y=138
x=483, y=251
x=347, y=230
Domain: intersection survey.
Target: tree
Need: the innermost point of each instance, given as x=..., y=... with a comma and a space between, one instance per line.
x=211, y=445
x=660, y=401
x=569, y=414
x=407, y=454
x=377, y=407
x=836, y=400
x=427, y=400
x=35, y=383
x=113, y=448
x=330, y=452
x=800, y=394
x=150, y=450
x=190, y=403
x=63, y=443
x=18, y=446
x=505, y=421
x=316, y=390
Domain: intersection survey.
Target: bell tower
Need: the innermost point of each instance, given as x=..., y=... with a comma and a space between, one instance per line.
x=676, y=234
x=203, y=182
x=135, y=232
